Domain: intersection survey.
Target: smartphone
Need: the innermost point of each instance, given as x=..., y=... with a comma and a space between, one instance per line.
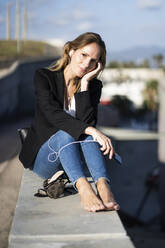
x=117, y=158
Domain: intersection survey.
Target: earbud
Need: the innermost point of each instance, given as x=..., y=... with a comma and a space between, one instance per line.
x=71, y=53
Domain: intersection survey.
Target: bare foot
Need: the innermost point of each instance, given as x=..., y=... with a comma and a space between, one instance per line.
x=89, y=200
x=106, y=195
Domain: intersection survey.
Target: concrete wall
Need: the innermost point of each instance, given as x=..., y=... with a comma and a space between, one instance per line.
x=16, y=88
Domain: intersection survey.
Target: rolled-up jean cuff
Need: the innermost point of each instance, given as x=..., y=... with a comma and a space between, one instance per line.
x=74, y=183
x=106, y=178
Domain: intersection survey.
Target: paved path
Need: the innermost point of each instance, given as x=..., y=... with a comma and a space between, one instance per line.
x=10, y=179
x=11, y=172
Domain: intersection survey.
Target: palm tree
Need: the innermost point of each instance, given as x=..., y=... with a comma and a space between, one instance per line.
x=158, y=60
x=150, y=94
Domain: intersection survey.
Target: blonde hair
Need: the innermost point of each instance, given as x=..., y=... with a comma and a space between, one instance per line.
x=81, y=41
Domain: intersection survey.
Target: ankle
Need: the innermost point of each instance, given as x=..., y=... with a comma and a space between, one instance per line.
x=102, y=181
x=83, y=185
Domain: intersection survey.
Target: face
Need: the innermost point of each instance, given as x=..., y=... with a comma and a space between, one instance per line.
x=85, y=59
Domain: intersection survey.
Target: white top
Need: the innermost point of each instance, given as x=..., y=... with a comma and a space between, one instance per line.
x=71, y=108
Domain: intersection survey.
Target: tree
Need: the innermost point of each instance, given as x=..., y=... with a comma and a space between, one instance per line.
x=158, y=60
x=128, y=64
x=144, y=64
x=150, y=94
x=114, y=64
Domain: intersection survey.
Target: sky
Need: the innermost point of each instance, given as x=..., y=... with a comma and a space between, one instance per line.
x=123, y=24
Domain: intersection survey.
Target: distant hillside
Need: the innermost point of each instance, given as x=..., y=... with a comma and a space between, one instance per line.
x=29, y=49
x=136, y=54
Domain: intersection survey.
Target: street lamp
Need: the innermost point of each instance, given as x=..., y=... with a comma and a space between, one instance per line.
x=17, y=31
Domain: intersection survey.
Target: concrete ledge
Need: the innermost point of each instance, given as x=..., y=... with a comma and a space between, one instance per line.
x=43, y=222
x=131, y=134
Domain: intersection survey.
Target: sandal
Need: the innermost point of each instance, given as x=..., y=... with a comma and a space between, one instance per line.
x=54, y=188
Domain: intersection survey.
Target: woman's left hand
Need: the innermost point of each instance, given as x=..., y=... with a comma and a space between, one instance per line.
x=104, y=141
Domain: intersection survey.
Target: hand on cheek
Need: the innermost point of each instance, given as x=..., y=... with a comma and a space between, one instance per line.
x=92, y=73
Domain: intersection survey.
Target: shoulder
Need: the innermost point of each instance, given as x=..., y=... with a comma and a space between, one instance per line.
x=45, y=79
x=45, y=74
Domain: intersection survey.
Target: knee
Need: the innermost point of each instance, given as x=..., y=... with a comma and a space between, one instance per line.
x=88, y=137
x=63, y=137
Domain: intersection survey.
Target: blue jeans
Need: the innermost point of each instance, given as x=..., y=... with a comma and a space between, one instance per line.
x=60, y=149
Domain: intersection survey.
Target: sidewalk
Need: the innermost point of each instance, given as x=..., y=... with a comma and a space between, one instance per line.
x=10, y=176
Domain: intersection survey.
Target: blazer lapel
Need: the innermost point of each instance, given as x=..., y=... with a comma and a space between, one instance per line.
x=59, y=84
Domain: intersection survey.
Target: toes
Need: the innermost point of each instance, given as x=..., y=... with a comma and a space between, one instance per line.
x=87, y=209
x=116, y=207
x=95, y=208
x=109, y=205
x=112, y=206
x=102, y=207
x=98, y=207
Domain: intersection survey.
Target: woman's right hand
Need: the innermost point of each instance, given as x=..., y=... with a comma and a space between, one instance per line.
x=90, y=75
x=104, y=141
x=93, y=73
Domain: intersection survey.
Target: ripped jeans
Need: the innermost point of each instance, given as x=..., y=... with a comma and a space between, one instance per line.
x=62, y=149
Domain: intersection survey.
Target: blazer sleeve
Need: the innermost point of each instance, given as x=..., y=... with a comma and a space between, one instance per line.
x=51, y=109
x=87, y=103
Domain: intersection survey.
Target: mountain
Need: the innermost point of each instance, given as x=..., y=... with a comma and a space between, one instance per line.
x=136, y=54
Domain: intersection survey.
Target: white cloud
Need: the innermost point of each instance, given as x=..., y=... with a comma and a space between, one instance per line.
x=150, y=4
x=74, y=16
x=79, y=14
x=56, y=42
x=84, y=26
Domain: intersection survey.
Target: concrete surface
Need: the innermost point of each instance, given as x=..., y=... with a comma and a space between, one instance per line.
x=47, y=243
x=43, y=220
x=10, y=175
x=10, y=178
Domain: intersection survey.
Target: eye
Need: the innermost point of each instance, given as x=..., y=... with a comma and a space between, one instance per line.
x=83, y=54
x=93, y=62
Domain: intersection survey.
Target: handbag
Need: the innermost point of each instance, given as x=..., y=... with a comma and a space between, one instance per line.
x=53, y=189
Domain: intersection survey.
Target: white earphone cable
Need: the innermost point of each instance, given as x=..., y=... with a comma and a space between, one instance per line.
x=57, y=154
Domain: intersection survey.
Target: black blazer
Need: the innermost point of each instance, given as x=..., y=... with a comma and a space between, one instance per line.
x=50, y=116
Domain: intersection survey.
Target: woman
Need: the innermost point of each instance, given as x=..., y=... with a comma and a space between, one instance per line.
x=67, y=97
